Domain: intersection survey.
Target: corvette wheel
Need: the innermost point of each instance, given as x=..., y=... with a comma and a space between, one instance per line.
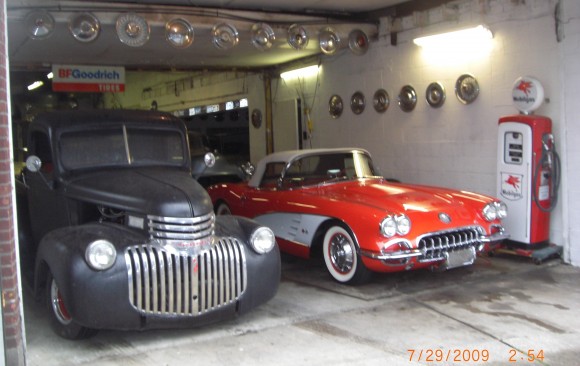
x=223, y=209
x=61, y=321
x=342, y=258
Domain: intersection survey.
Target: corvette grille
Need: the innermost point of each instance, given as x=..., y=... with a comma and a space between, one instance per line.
x=167, y=229
x=164, y=283
x=435, y=245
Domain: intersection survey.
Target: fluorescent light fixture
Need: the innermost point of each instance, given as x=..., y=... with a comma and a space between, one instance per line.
x=36, y=84
x=471, y=36
x=50, y=75
x=458, y=47
x=300, y=73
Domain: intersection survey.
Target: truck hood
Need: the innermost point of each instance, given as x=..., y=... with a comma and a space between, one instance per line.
x=401, y=198
x=156, y=191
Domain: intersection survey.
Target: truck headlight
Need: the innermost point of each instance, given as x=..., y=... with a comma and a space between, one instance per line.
x=101, y=255
x=262, y=240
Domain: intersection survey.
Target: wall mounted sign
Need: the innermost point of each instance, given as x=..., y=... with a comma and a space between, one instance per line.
x=527, y=94
x=407, y=98
x=381, y=100
x=335, y=106
x=466, y=88
x=435, y=95
x=92, y=79
x=357, y=102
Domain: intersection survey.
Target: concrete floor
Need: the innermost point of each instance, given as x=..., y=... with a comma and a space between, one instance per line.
x=496, y=311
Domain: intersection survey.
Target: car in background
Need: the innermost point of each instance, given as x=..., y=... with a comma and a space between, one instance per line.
x=119, y=236
x=210, y=167
x=333, y=202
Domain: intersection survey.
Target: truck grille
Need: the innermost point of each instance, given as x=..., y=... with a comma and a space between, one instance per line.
x=181, y=228
x=164, y=283
x=435, y=245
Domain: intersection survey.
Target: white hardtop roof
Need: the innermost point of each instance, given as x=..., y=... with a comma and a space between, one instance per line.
x=290, y=155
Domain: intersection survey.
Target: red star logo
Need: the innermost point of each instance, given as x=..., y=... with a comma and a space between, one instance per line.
x=513, y=181
x=524, y=86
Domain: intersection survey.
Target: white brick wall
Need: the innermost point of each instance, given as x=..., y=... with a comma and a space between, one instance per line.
x=455, y=146
x=570, y=128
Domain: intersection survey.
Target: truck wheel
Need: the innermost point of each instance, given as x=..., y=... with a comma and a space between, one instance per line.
x=61, y=321
x=342, y=259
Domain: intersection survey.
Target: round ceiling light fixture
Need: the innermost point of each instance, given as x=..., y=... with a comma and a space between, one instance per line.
x=84, y=27
x=263, y=36
x=225, y=36
x=358, y=42
x=328, y=41
x=39, y=24
x=132, y=29
x=179, y=33
x=297, y=37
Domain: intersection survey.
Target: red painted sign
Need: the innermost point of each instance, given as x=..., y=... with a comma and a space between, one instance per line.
x=95, y=79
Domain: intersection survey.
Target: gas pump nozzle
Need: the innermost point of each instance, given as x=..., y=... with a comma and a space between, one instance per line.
x=547, y=141
x=547, y=146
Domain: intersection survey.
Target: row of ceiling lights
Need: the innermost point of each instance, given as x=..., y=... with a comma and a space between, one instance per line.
x=133, y=30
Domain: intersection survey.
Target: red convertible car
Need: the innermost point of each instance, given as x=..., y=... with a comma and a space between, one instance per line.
x=333, y=201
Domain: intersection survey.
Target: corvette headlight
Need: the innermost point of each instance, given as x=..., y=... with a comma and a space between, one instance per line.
x=399, y=224
x=490, y=211
x=502, y=210
x=403, y=224
x=494, y=210
x=262, y=240
x=388, y=226
x=101, y=255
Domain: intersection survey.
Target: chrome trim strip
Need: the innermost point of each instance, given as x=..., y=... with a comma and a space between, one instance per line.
x=499, y=236
x=402, y=254
x=437, y=244
x=182, y=220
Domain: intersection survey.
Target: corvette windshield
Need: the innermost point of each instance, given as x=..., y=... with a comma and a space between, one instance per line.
x=121, y=146
x=324, y=168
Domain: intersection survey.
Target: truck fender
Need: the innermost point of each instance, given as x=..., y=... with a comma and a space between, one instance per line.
x=63, y=249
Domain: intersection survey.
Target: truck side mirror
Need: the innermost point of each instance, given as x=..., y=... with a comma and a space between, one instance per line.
x=33, y=163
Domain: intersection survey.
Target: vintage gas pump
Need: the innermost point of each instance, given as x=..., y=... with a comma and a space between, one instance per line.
x=528, y=173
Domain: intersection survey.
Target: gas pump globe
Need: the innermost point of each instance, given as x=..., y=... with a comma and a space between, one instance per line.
x=528, y=173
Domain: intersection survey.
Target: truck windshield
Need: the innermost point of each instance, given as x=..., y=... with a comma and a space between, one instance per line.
x=121, y=147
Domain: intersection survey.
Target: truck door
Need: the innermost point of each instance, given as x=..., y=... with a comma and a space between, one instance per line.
x=47, y=207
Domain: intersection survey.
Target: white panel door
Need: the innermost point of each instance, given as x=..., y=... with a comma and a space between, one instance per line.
x=286, y=125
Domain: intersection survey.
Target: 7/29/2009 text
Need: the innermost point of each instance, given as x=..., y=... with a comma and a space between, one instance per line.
x=471, y=355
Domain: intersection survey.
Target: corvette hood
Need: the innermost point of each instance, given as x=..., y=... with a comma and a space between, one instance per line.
x=407, y=198
x=153, y=191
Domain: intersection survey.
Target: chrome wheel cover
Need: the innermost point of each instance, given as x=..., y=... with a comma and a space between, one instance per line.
x=341, y=253
x=58, y=308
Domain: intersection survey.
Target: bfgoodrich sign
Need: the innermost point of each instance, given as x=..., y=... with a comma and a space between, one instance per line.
x=99, y=79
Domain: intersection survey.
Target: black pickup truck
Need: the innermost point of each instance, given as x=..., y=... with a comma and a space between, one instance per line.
x=120, y=236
